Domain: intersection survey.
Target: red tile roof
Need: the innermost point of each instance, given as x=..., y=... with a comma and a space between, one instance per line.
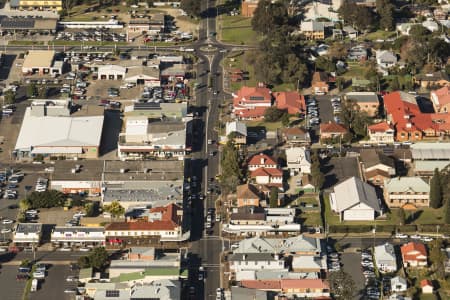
x=443, y=95
x=168, y=212
x=426, y=282
x=411, y=247
x=405, y=111
x=332, y=128
x=266, y=172
x=304, y=284
x=380, y=127
x=262, y=284
x=292, y=101
x=250, y=113
x=256, y=160
x=246, y=93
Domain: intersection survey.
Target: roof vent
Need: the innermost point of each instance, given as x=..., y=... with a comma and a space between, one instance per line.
x=123, y=171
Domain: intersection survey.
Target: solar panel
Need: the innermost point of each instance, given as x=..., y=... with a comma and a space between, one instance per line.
x=17, y=23
x=146, y=106
x=112, y=293
x=256, y=98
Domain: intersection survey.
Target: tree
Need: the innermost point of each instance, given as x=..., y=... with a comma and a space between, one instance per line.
x=115, y=209
x=340, y=83
x=68, y=5
x=355, y=119
x=359, y=16
x=401, y=216
x=438, y=258
x=385, y=10
x=318, y=179
x=231, y=167
x=10, y=97
x=24, y=205
x=31, y=90
x=191, y=7
x=268, y=16
x=294, y=69
x=342, y=285
x=435, y=190
x=273, y=114
x=97, y=259
x=47, y=199
x=285, y=120
x=274, y=197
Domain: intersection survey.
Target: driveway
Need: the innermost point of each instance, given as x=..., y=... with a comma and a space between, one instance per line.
x=352, y=265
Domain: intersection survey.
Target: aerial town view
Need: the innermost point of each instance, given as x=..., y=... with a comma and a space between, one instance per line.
x=224, y=149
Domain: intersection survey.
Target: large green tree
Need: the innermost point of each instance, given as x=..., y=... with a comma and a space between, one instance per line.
x=435, y=190
x=342, y=285
x=97, y=259
x=115, y=209
x=318, y=179
x=385, y=10
x=355, y=119
x=269, y=15
x=274, y=197
x=47, y=199
x=358, y=16
x=230, y=163
x=191, y=7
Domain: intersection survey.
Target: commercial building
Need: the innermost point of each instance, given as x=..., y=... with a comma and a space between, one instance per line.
x=27, y=234
x=149, y=183
x=366, y=101
x=78, y=235
x=77, y=177
x=111, y=72
x=59, y=135
x=407, y=192
x=55, y=5
x=42, y=62
x=25, y=25
x=143, y=138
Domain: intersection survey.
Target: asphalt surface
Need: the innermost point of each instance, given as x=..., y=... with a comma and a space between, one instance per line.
x=54, y=284
x=11, y=289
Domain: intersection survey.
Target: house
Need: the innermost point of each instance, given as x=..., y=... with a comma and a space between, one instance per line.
x=268, y=176
x=381, y=133
x=298, y=160
x=247, y=195
x=308, y=264
x=320, y=83
x=376, y=166
x=293, y=102
x=441, y=99
x=298, y=288
x=399, y=284
x=255, y=261
x=426, y=286
x=164, y=222
x=248, y=7
x=406, y=192
x=366, y=101
x=331, y=131
x=261, y=161
x=42, y=62
x=111, y=72
x=54, y=5
x=76, y=235
x=385, y=258
x=355, y=200
x=295, y=136
x=251, y=102
x=414, y=254
x=27, y=234
x=432, y=80
x=351, y=32
x=238, y=130
x=241, y=293
x=312, y=30
x=409, y=122
x=358, y=53
x=385, y=60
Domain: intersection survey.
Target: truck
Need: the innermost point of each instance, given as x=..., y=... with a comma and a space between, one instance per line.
x=34, y=285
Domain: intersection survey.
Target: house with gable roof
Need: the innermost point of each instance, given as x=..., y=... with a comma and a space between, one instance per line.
x=376, y=166
x=331, y=130
x=251, y=102
x=385, y=258
x=355, y=200
x=381, y=133
x=293, y=102
x=414, y=254
x=441, y=99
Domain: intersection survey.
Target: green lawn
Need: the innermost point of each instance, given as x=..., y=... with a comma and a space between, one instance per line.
x=311, y=219
x=270, y=126
x=354, y=70
x=429, y=216
x=380, y=34
x=237, y=30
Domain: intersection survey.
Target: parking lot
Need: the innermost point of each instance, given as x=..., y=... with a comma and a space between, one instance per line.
x=99, y=89
x=338, y=169
x=10, y=287
x=54, y=284
x=325, y=108
x=56, y=215
x=352, y=265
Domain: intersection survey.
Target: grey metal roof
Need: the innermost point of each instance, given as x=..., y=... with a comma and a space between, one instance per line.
x=406, y=184
x=28, y=228
x=78, y=229
x=252, y=257
x=430, y=151
x=353, y=191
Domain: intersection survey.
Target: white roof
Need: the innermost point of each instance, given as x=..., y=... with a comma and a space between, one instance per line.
x=384, y=253
x=430, y=151
x=297, y=155
x=111, y=68
x=49, y=131
x=307, y=262
x=236, y=126
x=406, y=184
x=311, y=26
x=352, y=192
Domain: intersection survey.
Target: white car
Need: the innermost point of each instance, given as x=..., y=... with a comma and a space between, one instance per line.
x=427, y=239
x=39, y=275
x=5, y=230
x=401, y=236
x=416, y=237
x=65, y=249
x=7, y=221
x=84, y=249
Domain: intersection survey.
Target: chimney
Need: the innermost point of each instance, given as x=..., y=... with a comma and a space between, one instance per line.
x=276, y=256
x=244, y=256
x=408, y=125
